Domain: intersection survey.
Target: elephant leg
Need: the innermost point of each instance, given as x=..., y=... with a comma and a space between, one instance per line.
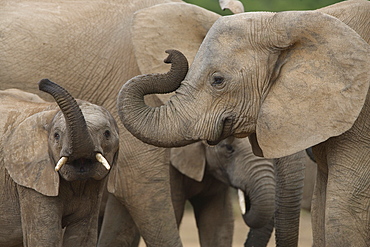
x=319, y=198
x=118, y=228
x=141, y=182
x=289, y=172
x=261, y=236
x=178, y=193
x=82, y=233
x=214, y=218
x=347, y=203
x=41, y=218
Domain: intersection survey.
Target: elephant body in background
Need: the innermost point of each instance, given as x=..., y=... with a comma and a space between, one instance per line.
x=288, y=81
x=94, y=47
x=203, y=174
x=36, y=200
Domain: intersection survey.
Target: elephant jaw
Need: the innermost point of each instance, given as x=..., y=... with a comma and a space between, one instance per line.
x=231, y=127
x=226, y=126
x=99, y=157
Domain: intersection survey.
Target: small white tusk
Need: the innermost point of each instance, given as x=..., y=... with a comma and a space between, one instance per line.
x=102, y=160
x=60, y=163
x=241, y=201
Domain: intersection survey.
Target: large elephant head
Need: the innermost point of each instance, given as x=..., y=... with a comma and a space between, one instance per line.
x=233, y=162
x=77, y=142
x=294, y=78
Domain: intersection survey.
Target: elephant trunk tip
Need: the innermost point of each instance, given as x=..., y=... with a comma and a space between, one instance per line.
x=46, y=85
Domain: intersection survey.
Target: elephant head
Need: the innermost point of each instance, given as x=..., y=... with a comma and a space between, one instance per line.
x=77, y=142
x=233, y=162
x=291, y=79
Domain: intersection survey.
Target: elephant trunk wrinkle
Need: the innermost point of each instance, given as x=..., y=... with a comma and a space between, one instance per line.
x=141, y=119
x=81, y=144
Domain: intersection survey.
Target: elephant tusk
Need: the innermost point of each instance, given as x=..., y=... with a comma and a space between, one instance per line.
x=102, y=160
x=241, y=201
x=60, y=163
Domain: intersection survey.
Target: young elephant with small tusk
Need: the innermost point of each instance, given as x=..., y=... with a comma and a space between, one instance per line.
x=53, y=166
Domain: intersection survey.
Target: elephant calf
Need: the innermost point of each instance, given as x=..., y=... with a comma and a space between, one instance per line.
x=53, y=165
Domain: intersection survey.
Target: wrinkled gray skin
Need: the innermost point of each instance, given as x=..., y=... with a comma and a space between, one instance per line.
x=202, y=174
x=93, y=47
x=37, y=202
x=268, y=76
x=233, y=163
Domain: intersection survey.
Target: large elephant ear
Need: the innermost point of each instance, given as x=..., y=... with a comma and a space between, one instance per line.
x=321, y=82
x=179, y=26
x=26, y=155
x=190, y=160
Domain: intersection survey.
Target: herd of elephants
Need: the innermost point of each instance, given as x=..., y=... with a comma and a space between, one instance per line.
x=104, y=136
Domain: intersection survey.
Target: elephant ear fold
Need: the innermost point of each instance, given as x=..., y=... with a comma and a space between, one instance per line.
x=320, y=83
x=190, y=160
x=179, y=26
x=26, y=155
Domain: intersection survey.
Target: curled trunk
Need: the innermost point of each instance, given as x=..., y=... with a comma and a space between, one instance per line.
x=81, y=144
x=154, y=125
x=260, y=196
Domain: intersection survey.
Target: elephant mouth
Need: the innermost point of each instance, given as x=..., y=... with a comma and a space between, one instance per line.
x=83, y=165
x=227, y=130
x=83, y=168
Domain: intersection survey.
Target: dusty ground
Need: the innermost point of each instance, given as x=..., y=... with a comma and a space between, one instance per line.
x=188, y=231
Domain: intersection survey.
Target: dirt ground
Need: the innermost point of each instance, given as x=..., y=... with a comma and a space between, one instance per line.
x=188, y=231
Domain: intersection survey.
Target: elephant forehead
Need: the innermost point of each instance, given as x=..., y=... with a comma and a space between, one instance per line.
x=234, y=27
x=95, y=116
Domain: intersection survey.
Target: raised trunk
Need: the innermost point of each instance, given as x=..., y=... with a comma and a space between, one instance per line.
x=81, y=144
x=154, y=125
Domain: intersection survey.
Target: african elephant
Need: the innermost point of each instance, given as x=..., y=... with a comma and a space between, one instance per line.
x=203, y=175
x=54, y=165
x=209, y=172
x=94, y=47
x=289, y=81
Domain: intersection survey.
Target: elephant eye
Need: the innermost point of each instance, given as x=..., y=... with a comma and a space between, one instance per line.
x=56, y=136
x=217, y=80
x=229, y=148
x=107, y=134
